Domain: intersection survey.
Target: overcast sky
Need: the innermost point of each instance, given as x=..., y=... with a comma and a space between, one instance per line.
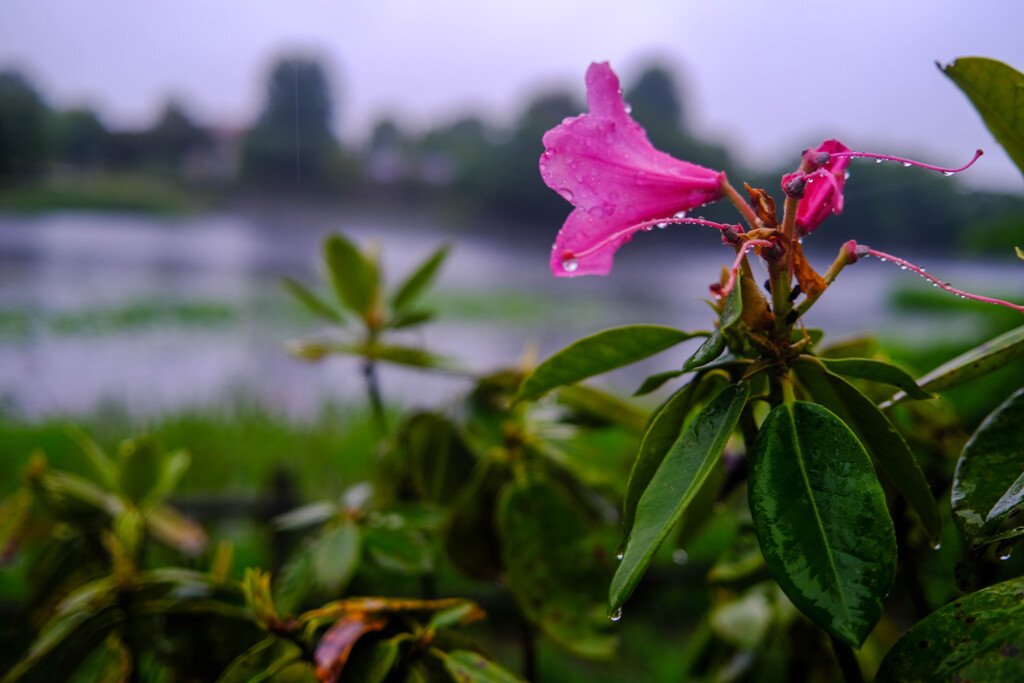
x=769, y=77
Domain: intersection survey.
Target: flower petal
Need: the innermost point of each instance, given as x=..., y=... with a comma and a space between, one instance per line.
x=823, y=196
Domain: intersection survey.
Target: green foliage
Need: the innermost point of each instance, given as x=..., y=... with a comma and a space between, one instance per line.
x=997, y=92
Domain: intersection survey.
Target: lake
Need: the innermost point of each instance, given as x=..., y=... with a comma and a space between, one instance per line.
x=156, y=314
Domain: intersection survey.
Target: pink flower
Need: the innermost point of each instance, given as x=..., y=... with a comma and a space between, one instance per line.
x=823, y=194
x=603, y=163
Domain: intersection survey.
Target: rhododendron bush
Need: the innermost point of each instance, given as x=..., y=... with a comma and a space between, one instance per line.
x=777, y=515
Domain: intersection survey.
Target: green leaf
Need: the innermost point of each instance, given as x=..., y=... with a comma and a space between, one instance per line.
x=142, y=468
x=410, y=319
x=597, y=354
x=353, y=275
x=979, y=361
x=261, y=662
x=103, y=464
x=1020, y=253
x=373, y=663
x=405, y=355
x=471, y=667
x=551, y=566
x=439, y=459
x=876, y=371
x=592, y=404
x=400, y=550
x=979, y=637
x=989, y=482
x=820, y=516
x=686, y=466
x=336, y=555
x=420, y=279
x=664, y=429
x=880, y=438
x=714, y=345
x=471, y=534
x=655, y=381
x=997, y=92
x=311, y=301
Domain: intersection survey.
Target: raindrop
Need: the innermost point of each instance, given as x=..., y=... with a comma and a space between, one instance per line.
x=907, y=164
x=1004, y=552
x=570, y=264
x=680, y=556
x=947, y=173
x=883, y=259
x=680, y=214
x=616, y=615
x=566, y=194
x=629, y=107
x=618, y=556
x=662, y=226
x=641, y=178
x=878, y=161
x=648, y=228
x=846, y=176
x=935, y=284
x=903, y=267
x=937, y=546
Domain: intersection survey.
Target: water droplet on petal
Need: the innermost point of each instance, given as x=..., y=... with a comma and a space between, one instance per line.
x=680, y=556
x=569, y=263
x=616, y=615
x=846, y=176
x=629, y=107
x=907, y=164
x=566, y=194
x=680, y=214
x=642, y=178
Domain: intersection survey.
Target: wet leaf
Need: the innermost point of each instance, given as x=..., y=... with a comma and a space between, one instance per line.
x=820, y=516
x=997, y=92
x=988, y=486
x=551, y=566
x=420, y=279
x=332, y=651
x=590, y=404
x=979, y=637
x=979, y=361
x=655, y=381
x=687, y=464
x=880, y=438
x=876, y=371
x=310, y=300
x=598, y=354
x=713, y=346
x=353, y=275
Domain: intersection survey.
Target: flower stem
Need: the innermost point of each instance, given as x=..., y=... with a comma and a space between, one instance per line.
x=373, y=391
x=741, y=205
x=842, y=260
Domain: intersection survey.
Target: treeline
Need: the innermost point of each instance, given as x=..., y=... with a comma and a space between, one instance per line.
x=469, y=168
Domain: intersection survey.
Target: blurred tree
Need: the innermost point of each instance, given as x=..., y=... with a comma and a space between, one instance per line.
x=292, y=144
x=174, y=137
x=79, y=138
x=23, y=143
x=658, y=107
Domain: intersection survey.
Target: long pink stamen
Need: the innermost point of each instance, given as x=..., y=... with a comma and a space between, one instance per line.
x=910, y=162
x=649, y=225
x=938, y=283
x=747, y=246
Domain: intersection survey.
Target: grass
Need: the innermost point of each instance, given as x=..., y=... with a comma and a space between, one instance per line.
x=101, y=192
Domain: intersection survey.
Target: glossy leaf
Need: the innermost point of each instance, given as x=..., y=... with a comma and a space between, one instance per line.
x=551, y=566
x=597, y=354
x=713, y=346
x=310, y=300
x=373, y=664
x=989, y=482
x=979, y=637
x=820, y=517
x=875, y=371
x=997, y=91
x=593, y=404
x=465, y=666
x=655, y=381
x=879, y=437
x=353, y=275
x=981, y=360
x=688, y=463
x=420, y=279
